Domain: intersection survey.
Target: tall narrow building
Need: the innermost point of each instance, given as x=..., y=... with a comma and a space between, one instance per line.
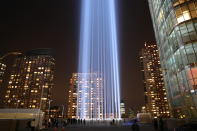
x=86, y=96
x=122, y=109
x=2, y=71
x=155, y=94
x=31, y=80
x=175, y=25
x=72, y=97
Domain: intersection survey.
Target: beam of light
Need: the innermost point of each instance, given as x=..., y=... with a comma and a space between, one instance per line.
x=98, y=54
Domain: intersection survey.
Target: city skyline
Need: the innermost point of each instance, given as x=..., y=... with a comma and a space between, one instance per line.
x=98, y=65
x=30, y=38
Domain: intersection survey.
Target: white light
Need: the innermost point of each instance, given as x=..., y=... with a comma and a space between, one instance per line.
x=192, y=91
x=98, y=53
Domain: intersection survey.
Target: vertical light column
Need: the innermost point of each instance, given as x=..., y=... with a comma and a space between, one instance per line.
x=98, y=53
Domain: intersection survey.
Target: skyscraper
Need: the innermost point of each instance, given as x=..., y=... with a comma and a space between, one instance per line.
x=72, y=97
x=86, y=96
x=175, y=26
x=155, y=94
x=31, y=80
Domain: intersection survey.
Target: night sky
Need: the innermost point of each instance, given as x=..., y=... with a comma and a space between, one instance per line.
x=31, y=24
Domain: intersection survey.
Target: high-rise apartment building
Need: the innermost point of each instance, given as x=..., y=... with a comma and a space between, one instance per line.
x=2, y=71
x=31, y=80
x=86, y=96
x=72, y=97
x=175, y=25
x=155, y=94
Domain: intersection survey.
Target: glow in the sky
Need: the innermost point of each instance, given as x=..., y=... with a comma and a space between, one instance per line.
x=98, y=53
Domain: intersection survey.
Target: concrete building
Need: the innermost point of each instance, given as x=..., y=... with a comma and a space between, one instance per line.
x=17, y=119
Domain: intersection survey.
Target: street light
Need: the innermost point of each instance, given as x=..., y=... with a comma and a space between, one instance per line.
x=49, y=107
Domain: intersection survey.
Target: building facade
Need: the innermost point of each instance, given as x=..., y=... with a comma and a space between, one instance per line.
x=55, y=112
x=72, y=97
x=175, y=26
x=122, y=109
x=86, y=96
x=155, y=94
x=31, y=80
x=2, y=71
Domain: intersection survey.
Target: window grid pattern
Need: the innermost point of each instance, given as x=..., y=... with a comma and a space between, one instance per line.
x=175, y=25
x=30, y=82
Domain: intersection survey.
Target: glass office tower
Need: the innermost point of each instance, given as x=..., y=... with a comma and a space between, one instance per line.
x=175, y=25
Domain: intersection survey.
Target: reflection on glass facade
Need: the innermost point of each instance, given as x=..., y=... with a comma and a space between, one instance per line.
x=175, y=25
x=86, y=96
x=31, y=80
x=155, y=94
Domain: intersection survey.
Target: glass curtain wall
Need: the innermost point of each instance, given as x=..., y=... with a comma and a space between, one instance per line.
x=175, y=25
